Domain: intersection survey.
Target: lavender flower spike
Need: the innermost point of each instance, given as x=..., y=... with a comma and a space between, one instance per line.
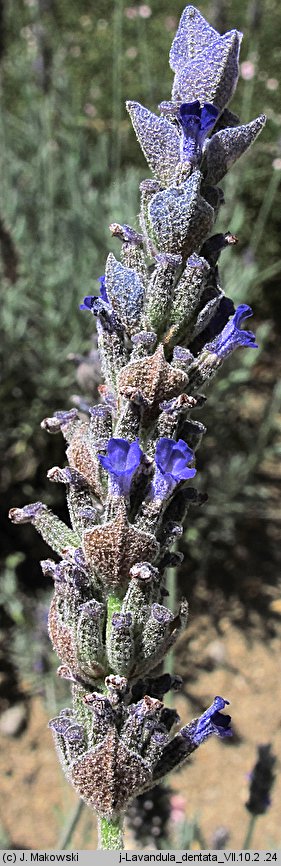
x=211, y=722
x=163, y=330
x=261, y=781
x=122, y=461
x=172, y=459
x=196, y=123
x=232, y=337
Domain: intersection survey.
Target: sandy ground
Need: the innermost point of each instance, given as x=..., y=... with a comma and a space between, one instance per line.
x=36, y=802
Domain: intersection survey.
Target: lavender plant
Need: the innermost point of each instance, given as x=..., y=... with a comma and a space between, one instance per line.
x=261, y=781
x=164, y=329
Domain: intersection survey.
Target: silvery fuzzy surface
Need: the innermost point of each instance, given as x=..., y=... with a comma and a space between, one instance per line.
x=164, y=327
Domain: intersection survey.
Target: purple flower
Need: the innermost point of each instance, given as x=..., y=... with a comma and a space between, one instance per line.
x=211, y=722
x=101, y=307
x=172, y=459
x=103, y=292
x=89, y=301
x=196, y=123
x=219, y=320
x=231, y=337
x=122, y=460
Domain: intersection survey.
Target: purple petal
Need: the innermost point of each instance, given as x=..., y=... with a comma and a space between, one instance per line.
x=213, y=722
x=163, y=451
x=103, y=292
x=88, y=302
x=134, y=456
x=242, y=312
x=117, y=450
x=105, y=462
x=209, y=115
x=121, y=462
x=232, y=337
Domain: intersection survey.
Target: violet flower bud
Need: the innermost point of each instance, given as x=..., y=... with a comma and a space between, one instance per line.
x=120, y=647
x=61, y=421
x=28, y=513
x=75, y=741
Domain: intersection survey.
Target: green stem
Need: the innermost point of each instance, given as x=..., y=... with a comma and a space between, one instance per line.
x=249, y=86
x=70, y=826
x=110, y=834
x=117, y=107
x=114, y=605
x=249, y=833
x=171, y=582
x=265, y=210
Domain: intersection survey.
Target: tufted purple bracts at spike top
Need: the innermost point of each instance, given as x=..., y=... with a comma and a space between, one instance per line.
x=164, y=327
